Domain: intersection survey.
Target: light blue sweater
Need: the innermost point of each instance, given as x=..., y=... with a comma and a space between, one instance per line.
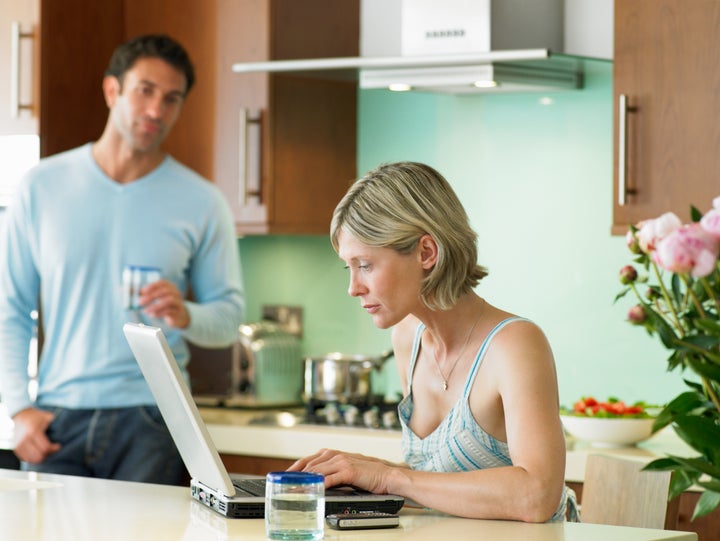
x=68, y=234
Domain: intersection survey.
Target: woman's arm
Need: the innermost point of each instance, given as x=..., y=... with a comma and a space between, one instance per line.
x=519, y=368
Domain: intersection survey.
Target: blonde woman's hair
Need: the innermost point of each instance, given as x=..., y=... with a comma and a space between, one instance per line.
x=394, y=205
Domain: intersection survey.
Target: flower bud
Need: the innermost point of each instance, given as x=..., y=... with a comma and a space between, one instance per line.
x=636, y=315
x=632, y=242
x=652, y=293
x=628, y=274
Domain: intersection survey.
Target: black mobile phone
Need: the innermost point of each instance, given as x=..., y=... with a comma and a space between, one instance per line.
x=362, y=520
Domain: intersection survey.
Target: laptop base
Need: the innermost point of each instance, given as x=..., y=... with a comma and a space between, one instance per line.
x=232, y=507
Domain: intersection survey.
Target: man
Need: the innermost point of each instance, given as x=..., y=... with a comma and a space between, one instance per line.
x=78, y=219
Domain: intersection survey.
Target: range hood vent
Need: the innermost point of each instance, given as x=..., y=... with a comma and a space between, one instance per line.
x=454, y=46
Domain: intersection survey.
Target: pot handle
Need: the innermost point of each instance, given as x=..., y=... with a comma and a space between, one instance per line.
x=378, y=362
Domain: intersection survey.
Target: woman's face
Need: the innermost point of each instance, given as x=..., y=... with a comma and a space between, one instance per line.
x=386, y=282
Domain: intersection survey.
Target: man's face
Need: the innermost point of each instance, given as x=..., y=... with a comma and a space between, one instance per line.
x=147, y=104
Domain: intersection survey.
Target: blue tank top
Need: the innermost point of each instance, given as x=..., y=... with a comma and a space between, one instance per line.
x=459, y=443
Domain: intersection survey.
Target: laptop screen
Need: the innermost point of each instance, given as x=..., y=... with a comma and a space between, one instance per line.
x=177, y=407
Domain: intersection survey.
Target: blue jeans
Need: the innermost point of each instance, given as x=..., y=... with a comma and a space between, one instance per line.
x=129, y=444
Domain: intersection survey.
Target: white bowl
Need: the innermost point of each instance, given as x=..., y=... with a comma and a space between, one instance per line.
x=608, y=432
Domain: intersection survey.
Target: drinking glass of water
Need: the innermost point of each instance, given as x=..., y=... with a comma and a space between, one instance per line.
x=294, y=506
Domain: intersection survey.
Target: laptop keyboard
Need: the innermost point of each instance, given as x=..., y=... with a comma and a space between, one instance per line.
x=254, y=487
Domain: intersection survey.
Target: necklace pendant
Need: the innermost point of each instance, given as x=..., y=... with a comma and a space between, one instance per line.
x=444, y=385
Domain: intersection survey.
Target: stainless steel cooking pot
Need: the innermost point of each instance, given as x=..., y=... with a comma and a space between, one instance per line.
x=337, y=377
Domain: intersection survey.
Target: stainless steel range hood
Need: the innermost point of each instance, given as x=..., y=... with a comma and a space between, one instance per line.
x=455, y=46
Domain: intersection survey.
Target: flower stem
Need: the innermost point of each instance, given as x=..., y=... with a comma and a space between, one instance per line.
x=691, y=294
x=666, y=296
x=711, y=294
x=711, y=392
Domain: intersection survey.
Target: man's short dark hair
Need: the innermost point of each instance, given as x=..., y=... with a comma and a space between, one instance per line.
x=151, y=46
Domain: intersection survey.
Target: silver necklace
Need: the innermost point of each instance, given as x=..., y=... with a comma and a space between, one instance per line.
x=462, y=351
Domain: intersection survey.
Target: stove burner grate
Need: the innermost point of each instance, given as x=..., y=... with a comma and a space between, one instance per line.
x=372, y=413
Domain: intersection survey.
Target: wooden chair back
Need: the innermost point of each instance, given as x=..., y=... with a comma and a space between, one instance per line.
x=616, y=491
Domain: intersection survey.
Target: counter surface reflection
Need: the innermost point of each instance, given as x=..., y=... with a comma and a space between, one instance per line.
x=57, y=507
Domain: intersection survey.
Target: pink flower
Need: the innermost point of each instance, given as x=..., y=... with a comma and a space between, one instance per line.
x=652, y=231
x=689, y=249
x=711, y=221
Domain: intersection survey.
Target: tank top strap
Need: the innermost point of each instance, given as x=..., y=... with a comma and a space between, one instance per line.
x=483, y=349
x=414, y=355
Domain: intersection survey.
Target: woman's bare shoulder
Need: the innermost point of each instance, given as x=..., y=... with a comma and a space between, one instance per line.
x=521, y=345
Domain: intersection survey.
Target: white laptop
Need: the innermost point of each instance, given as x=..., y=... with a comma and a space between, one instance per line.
x=231, y=496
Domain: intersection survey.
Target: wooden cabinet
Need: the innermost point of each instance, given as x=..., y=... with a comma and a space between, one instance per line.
x=76, y=40
x=61, y=67
x=51, y=78
x=285, y=144
x=282, y=148
x=19, y=25
x=667, y=68
x=192, y=23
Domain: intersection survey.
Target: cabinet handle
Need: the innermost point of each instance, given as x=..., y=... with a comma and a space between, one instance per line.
x=15, y=36
x=249, y=159
x=623, y=110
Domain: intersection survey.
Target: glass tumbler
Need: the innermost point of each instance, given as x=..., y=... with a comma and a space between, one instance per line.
x=134, y=278
x=294, y=505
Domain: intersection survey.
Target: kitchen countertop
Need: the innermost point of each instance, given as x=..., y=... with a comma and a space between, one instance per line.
x=46, y=507
x=233, y=433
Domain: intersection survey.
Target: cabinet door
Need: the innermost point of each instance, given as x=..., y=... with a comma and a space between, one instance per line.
x=77, y=40
x=667, y=66
x=285, y=143
x=19, y=67
x=192, y=23
x=241, y=158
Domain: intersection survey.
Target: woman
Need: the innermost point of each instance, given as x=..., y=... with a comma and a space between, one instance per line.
x=481, y=432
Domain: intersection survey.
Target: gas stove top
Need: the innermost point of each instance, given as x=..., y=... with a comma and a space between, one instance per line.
x=374, y=414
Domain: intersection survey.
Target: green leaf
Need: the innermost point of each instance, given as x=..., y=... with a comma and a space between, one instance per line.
x=704, y=368
x=682, y=404
x=677, y=358
x=699, y=291
x=695, y=214
x=662, y=327
x=661, y=464
x=708, y=502
x=699, y=464
x=709, y=325
x=694, y=385
x=701, y=341
x=700, y=433
x=682, y=480
x=621, y=294
x=677, y=288
x=710, y=485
